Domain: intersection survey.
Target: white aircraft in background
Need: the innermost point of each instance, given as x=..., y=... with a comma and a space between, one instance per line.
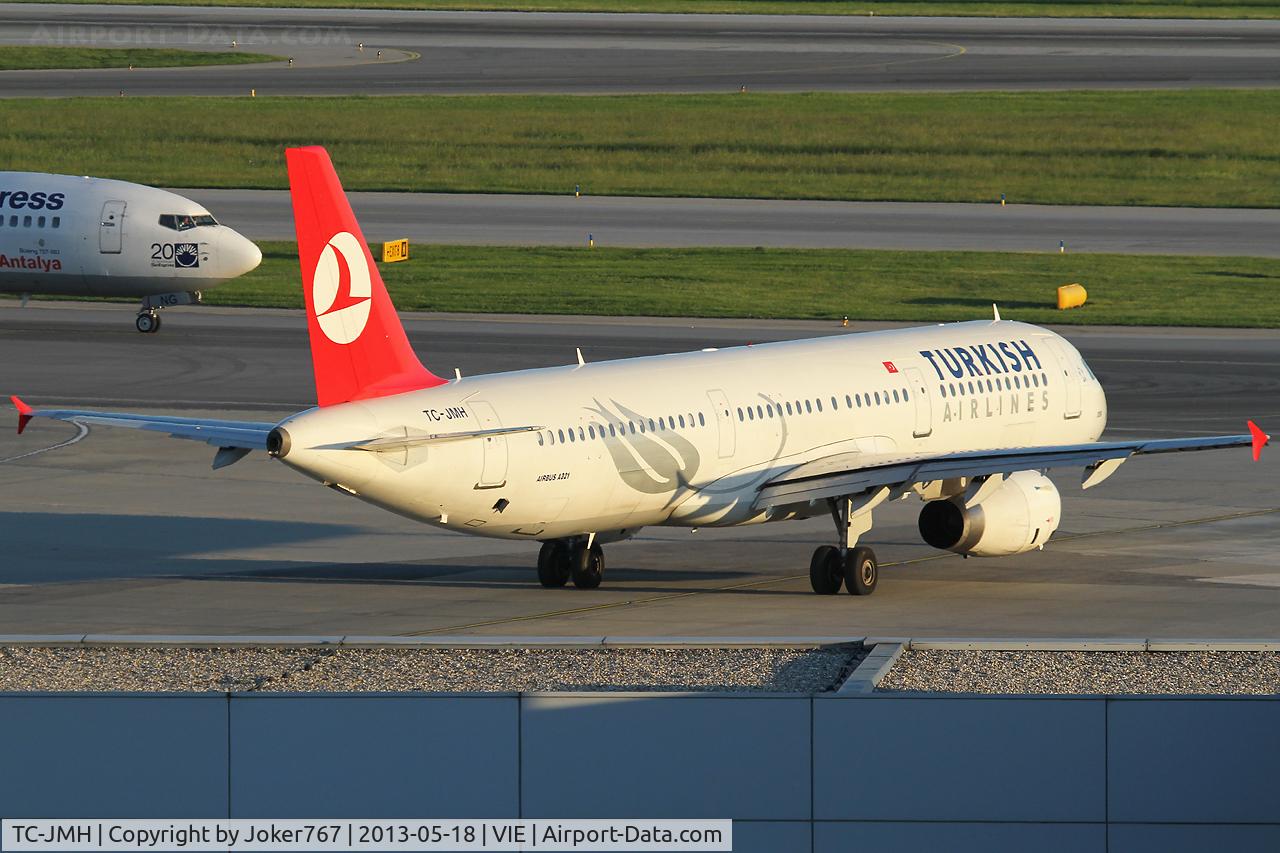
x=69, y=236
x=967, y=416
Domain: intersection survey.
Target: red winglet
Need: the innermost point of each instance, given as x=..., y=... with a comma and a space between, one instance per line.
x=1260, y=440
x=25, y=413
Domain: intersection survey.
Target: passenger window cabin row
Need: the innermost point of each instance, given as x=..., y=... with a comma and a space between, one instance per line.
x=597, y=431
x=28, y=221
x=808, y=407
x=990, y=385
x=866, y=400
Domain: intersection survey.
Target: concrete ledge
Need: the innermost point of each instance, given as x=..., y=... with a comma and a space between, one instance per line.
x=731, y=642
x=1213, y=645
x=1043, y=644
x=453, y=641
x=873, y=668
x=1039, y=644
x=468, y=642
x=203, y=640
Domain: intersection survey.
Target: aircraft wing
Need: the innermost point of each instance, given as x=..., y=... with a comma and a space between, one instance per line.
x=234, y=438
x=840, y=475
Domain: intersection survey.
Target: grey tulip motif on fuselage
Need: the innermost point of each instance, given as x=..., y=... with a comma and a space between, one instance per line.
x=650, y=447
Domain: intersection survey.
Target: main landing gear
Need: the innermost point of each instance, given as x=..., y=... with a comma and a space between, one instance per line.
x=856, y=570
x=848, y=564
x=580, y=559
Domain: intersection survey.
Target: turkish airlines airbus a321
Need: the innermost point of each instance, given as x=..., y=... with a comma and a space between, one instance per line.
x=967, y=416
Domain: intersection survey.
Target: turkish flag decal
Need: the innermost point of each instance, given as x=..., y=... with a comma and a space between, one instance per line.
x=888, y=365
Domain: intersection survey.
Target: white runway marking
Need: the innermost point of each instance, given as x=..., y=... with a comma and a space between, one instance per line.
x=84, y=430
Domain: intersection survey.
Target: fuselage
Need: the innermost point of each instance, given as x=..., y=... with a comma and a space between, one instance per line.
x=80, y=236
x=688, y=439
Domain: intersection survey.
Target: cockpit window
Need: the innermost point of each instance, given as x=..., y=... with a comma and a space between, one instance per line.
x=183, y=221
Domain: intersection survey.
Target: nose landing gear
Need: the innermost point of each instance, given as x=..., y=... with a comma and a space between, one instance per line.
x=148, y=322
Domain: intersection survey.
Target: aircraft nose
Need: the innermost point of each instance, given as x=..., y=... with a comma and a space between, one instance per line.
x=251, y=255
x=243, y=255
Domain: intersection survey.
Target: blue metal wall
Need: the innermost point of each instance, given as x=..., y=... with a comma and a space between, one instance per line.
x=866, y=773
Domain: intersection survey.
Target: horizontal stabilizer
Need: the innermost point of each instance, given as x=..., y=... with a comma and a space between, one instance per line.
x=249, y=435
x=401, y=442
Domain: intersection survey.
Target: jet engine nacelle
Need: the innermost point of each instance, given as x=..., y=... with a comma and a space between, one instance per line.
x=1019, y=515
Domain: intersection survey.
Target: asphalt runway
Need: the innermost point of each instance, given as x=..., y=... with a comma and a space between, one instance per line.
x=612, y=221
x=460, y=52
x=118, y=532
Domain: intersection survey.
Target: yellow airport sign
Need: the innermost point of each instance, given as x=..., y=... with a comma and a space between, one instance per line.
x=395, y=250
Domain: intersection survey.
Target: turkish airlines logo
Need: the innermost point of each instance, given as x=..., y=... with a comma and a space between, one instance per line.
x=340, y=289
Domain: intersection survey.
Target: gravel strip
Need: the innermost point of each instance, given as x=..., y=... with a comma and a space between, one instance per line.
x=158, y=669
x=968, y=671
x=502, y=670
x=170, y=669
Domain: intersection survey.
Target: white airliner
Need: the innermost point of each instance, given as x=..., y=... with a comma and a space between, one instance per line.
x=69, y=236
x=967, y=416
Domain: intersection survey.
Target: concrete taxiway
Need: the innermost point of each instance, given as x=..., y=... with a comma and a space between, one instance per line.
x=460, y=52
x=613, y=221
x=119, y=532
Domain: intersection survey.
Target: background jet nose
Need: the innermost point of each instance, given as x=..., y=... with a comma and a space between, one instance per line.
x=250, y=255
x=243, y=255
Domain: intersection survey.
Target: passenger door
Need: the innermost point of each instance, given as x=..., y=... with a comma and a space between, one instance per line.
x=1069, y=374
x=493, y=473
x=924, y=407
x=111, y=231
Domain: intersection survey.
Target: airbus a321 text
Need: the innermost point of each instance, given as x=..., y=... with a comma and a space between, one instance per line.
x=67, y=236
x=967, y=416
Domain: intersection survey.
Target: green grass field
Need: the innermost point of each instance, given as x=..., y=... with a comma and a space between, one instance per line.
x=15, y=58
x=810, y=284
x=1202, y=148
x=1051, y=8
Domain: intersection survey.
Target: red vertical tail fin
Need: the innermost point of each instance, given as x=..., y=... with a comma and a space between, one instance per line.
x=358, y=346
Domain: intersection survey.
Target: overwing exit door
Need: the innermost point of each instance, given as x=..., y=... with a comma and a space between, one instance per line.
x=720, y=405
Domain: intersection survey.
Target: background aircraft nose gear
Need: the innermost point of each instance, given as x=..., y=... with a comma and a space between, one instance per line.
x=148, y=322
